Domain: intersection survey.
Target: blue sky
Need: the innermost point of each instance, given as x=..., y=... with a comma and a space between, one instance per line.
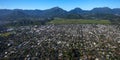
x=65, y=4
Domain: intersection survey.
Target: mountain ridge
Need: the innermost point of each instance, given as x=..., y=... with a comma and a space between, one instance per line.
x=58, y=7
x=76, y=13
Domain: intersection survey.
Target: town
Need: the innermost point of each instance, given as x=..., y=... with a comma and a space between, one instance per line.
x=61, y=42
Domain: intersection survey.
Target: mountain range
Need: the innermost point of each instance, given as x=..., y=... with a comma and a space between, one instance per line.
x=77, y=13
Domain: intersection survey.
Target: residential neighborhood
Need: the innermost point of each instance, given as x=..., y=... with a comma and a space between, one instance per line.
x=61, y=42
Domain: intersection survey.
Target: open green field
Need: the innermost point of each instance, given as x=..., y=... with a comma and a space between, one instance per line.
x=4, y=34
x=78, y=21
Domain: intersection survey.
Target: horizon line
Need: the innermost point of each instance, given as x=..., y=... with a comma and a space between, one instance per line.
x=53, y=7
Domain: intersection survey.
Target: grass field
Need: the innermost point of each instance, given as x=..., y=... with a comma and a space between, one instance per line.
x=78, y=21
x=4, y=34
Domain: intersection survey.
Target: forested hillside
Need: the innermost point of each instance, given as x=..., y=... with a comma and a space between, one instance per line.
x=27, y=17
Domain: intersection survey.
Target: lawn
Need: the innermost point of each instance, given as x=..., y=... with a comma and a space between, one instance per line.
x=4, y=34
x=78, y=21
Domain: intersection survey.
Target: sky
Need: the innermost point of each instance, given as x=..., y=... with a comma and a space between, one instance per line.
x=65, y=4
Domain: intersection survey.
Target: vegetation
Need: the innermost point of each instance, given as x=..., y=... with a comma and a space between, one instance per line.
x=73, y=35
x=78, y=21
x=26, y=22
x=4, y=34
x=32, y=17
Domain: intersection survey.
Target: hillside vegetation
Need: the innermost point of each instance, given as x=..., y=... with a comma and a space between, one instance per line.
x=19, y=17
